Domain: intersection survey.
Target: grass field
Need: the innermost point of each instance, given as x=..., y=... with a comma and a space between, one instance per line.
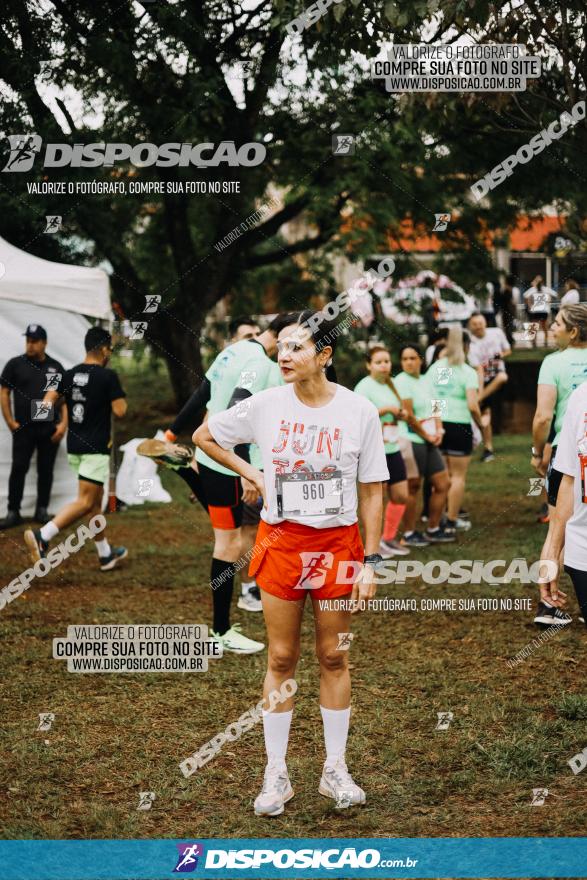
x=514, y=729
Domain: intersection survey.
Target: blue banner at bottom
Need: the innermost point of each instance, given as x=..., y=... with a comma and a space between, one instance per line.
x=383, y=857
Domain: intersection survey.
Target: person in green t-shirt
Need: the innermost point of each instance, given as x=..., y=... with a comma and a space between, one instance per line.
x=425, y=436
x=378, y=388
x=560, y=373
x=454, y=396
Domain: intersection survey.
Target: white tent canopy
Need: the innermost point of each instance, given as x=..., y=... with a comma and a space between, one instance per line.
x=57, y=296
x=29, y=279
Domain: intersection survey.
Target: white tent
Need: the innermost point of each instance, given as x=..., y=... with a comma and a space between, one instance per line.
x=57, y=296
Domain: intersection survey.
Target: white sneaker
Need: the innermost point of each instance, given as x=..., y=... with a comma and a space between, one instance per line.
x=251, y=600
x=338, y=783
x=233, y=640
x=276, y=792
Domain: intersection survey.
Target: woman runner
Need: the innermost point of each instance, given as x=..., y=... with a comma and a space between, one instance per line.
x=425, y=437
x=376, y=388
x=317, y=440
x=454, y=391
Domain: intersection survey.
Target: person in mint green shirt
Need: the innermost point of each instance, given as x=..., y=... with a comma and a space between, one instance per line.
x=425, y=436
x=376, y=387
x=454, y=396
x=560, y=373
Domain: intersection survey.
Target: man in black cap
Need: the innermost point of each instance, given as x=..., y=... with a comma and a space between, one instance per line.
x=27, y=378
x=93, y=394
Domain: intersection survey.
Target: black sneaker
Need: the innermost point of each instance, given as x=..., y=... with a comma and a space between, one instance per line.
x=42, y=515
x=416, y=539
x=37, y=547
x=488, y=455
x=440, y=536
x=117, y=554
x=546, y=616
x=12, y=518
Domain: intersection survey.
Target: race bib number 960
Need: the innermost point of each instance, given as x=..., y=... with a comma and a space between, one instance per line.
x=302, y=494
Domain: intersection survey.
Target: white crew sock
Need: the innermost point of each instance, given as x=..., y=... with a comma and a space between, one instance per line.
x=336, y=731
x=246, y=586
x=49, y=530
x=548, y=605
x=103, y=548
x=276, y=730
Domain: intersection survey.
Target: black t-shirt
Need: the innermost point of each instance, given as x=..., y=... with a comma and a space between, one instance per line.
x=29, y=380
x=89, y=389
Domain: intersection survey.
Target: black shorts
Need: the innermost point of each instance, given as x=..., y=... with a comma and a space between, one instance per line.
x=553, y=481
x=251, y=514
x=396, y=468
x=224, y=496
x=534, y=317
x=457, y=439
x=428, y=459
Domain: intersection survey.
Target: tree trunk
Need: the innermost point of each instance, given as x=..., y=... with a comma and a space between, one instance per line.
x=180, y=347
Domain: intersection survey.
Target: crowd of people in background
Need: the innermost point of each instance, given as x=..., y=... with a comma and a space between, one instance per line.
x=287, y=457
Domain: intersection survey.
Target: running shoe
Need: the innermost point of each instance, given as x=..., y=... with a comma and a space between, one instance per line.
x=488, y=455
x=550, y=616
x=173, y=455
x=337, y=783
x=276, y=792
x=251, y=600
x=440, y=536
x=543, y=514
x=116, y=555
x=458, y=525
x=37, y=547
x=416, y=539
x=392, y=548
x=581, y=620
x=233, y=640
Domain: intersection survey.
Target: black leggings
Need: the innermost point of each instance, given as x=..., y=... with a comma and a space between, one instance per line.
x=579, y=579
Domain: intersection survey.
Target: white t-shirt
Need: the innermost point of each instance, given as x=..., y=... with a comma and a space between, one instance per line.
x=567, y=462
x=486, y=352
x=539, y=300
x=343, y=437
x=571, y=297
